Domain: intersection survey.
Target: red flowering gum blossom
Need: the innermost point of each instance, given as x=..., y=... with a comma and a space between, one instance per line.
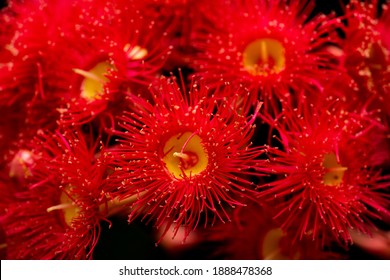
x=327, y=171
x=254, y=234
x=270, y=47
x=109, y=49
x=123, y=51
x=186, y=157
x=366, y=50
x=57, y=214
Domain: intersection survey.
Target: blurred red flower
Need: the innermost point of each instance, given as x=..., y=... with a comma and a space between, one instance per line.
x=56, y=213
x=328, y=171
x=270, y=47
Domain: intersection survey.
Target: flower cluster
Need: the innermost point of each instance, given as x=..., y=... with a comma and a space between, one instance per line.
x=256, y=128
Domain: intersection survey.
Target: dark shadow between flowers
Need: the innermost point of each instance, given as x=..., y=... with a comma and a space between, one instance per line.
x=137, y=241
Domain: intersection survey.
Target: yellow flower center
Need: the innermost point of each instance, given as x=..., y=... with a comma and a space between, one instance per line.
x=92, y=87
x=68, y=207
x=334, y=171
x=263, y=57
x=184, y=155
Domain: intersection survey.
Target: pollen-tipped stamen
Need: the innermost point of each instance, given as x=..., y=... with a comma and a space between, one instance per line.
x=61, y=206
x=92, y=87
x=68, y=206
x=136, y=52
x=114, y=205
x=181, y=155
x=87, y=74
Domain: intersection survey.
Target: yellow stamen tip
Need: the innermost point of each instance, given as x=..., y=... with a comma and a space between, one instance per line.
x=86, y=74
x=181, y=155
x=61, y=206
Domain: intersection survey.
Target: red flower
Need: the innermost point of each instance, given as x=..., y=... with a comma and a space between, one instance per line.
x=79, y=65
x=57, y=214
x=185, y=157
x=328, y=171
x=30, y=88
x=270, y=47
x=123, y=51
x=254, y=234
x=366, y=49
